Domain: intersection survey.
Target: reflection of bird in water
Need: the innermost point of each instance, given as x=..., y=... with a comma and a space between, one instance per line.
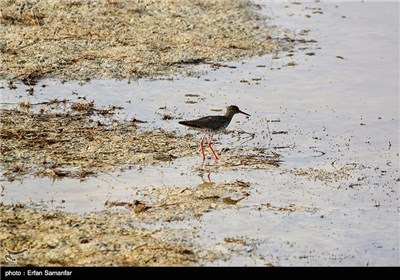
x=211, y=125
x=208, y=176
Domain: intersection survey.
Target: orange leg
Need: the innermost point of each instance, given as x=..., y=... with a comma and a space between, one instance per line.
x=202, y=147
x=212, y=150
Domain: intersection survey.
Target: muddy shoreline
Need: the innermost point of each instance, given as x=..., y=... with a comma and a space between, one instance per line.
x=64, y=139
x=100, y=173
x=128, y=39
x=118, y=236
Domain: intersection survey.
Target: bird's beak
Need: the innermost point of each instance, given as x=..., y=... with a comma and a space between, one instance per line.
x=243, y=113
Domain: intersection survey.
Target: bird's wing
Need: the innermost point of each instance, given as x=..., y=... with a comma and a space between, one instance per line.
x=204, y=122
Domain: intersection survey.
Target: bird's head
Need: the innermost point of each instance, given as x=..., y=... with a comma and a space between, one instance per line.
x=233, y=109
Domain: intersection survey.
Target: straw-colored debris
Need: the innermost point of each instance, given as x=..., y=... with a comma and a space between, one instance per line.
x=119, y=39
x=53, y=238
x=334, y=175
x=177, y=203
x=116, y=236
x=61, y=138
x=143, y=232
x=78, y=140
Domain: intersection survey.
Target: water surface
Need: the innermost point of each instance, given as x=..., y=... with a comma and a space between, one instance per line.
x=338, y=103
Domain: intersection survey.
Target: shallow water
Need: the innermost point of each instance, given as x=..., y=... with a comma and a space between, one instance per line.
x=340, y=108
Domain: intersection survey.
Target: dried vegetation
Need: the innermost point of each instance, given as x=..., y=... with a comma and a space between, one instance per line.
x=76, y=139
x=61, y=138
x=98, y=239
x=139, y=235
x=120, y=39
